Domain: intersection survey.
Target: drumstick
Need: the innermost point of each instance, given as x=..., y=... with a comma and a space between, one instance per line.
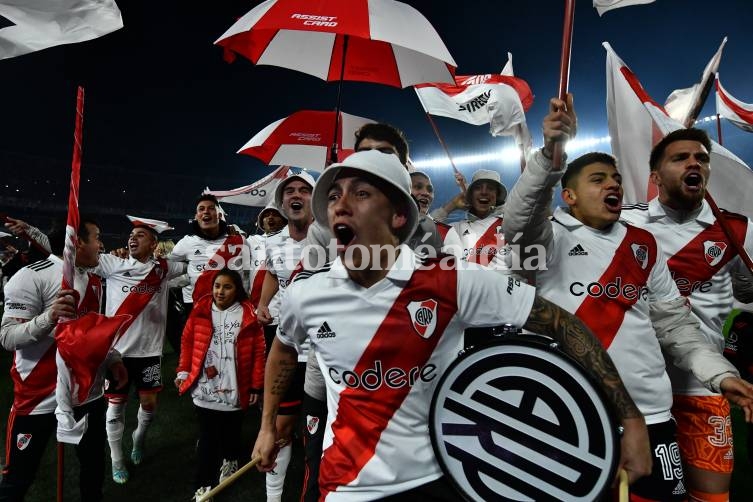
x=623, y=490
x=237, y=474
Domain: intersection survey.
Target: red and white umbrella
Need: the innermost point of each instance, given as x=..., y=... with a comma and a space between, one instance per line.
x=257, y=194
x=382, y=41
x=305, y=139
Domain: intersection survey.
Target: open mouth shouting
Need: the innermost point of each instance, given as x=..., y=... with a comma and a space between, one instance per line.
x=296, y=205
x=344, y=234
x=693, y=182
x=423, y=203
x=613, y=202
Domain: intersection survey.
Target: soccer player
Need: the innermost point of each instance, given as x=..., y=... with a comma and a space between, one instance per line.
x=377, y=442
x=212, y=246
x=284, y=253
x=34, y=303
x=270, y=221
x=137, y=286
x=708, y=272
x=612, y=276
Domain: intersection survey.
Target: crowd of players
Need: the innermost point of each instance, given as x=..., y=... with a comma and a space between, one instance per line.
x=640, y=305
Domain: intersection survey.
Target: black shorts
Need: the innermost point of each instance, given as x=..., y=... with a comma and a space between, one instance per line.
x=145, y=373
x=292, y=401
x=666, y=482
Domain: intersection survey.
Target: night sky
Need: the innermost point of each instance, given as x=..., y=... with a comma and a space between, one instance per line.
x=162, y=105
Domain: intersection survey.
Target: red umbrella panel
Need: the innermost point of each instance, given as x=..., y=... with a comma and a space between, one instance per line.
x=382, y=41
x=304, y=139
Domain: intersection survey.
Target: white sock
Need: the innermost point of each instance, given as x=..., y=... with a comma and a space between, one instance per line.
x=276, y=479
x=145, y=419
x=115, y=426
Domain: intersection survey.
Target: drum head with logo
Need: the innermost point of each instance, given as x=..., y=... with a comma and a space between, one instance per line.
x=519, y=420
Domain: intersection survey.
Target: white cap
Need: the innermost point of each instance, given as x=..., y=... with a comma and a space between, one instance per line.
x=156, y=225
x=493, y=178
x=269, y=207
x=386, y=167
x=302, y=176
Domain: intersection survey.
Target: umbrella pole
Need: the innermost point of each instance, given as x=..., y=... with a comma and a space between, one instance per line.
x=333, y=152
x=567, y=45
x=719, y=129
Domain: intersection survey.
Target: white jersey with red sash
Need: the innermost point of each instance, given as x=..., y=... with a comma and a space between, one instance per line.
x=258, y=247
x=482, y=240
x=284, y=261
x=605, y=278
x=702, y=262
x=31, y=291
x=210, y=256
x=139, y=290
x=382, y=351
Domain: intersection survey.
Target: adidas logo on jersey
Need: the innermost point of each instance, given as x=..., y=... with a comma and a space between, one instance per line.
x=197, y=252
x=578, y=251
x=127, y=274
x=325, y=331
x=679, y=489
x=467, y=232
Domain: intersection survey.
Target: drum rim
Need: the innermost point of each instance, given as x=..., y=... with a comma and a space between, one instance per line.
x=531, y=340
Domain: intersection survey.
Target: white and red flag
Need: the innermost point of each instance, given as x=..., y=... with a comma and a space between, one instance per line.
x=158, y=226
x=39, y=24
x=734, y=110
x=258, y=194
x=603, y=6
x=684, y=105
x=637, y=123
x=498, y=100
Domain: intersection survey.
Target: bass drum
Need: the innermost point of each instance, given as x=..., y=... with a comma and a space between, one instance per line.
x=520, y=420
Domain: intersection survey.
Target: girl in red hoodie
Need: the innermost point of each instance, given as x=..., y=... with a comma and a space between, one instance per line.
x=222, y=364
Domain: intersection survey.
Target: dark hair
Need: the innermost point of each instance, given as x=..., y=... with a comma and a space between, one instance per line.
x=240, y=290
x=384, y=132
x=689, y=134
x=209, y=197
x=56, y=235
x=151, y=230
x=576, y=166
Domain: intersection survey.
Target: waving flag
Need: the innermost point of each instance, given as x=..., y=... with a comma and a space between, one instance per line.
x=39, y=24
x=734, y=110
x=257, y=194
x=637, y=123
x=684, y=105
x=603, y=6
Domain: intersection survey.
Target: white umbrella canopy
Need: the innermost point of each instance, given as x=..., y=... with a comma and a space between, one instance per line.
x=305, y=138
x=382, y=41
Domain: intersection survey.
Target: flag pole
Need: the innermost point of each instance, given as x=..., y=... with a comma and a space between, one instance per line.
x=719, y=129
x=333, y=151
x=440, y=139
x=567, y=45
x=69, y=252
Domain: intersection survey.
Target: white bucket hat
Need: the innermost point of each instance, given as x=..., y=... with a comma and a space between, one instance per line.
x=489, y=176
x=269, y=207
x=302, y=176
x=386, y=167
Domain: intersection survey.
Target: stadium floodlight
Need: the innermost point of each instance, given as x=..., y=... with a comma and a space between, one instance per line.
x=507, y=155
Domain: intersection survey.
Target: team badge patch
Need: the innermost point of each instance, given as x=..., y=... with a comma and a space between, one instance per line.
x=22, y=441
x=312, y=424
x=640, y=252
x=714, y=252
x=423, y=315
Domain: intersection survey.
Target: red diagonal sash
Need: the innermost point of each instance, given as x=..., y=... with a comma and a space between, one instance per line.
x=486, y=247
x=442, y=229
x=229, y=249
x=620, y=286
x=690, y=265
x=142, y=293
x=38, y=384
x=363, y=414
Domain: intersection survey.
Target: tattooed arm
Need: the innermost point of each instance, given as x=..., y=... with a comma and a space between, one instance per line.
x=281, y=364
x=577, y=341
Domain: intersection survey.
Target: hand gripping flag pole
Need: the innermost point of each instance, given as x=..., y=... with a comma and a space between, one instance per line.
x=567, y=45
